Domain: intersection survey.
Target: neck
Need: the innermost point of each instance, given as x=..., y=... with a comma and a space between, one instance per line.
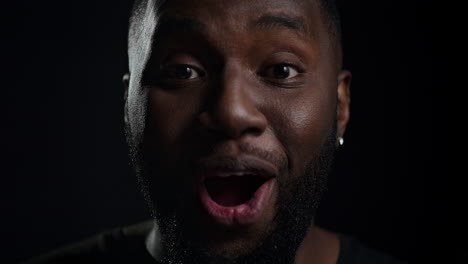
x=319, y=246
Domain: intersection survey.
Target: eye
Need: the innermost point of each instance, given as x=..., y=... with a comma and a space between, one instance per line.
x=282, y=71
x=181, y=71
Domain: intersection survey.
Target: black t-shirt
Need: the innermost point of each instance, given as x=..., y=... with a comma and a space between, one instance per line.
x=127, y=245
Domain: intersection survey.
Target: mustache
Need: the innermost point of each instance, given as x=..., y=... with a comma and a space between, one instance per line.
x=276, y=158
x=212, y=156
x=245, y=149
x=245, y=164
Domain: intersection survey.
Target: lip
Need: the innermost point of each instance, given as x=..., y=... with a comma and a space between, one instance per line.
x=246, y=213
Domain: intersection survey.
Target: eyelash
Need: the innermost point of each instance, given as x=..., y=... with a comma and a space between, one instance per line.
x=263, y=75
x=298, y=69
x=165, y=70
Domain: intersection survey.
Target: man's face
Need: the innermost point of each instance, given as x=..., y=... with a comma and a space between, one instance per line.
x=243, y=103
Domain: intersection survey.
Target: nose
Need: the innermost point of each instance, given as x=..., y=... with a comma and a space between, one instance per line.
x=233, y=110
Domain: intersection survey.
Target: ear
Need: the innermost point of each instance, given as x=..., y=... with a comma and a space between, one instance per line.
x=126, y=82
x=344, y=100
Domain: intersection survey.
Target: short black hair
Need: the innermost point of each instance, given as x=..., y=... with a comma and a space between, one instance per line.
x=330, y=8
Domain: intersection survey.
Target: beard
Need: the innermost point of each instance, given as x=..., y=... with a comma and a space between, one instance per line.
x=296, y=204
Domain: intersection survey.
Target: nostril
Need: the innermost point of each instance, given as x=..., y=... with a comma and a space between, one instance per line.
x=233, y=126
x=253, y=131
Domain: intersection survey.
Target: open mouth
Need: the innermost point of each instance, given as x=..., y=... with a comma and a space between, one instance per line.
x=236, y=190
x=233, y=190
x=232, y=200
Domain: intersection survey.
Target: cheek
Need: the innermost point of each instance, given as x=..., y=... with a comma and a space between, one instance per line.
x=302, y=124
x=169, y=116
x=136, y=114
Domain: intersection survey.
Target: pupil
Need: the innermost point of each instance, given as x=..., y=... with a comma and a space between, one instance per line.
x=281, y=71
x=183, y=72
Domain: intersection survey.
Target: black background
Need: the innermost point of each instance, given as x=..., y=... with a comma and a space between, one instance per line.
x=66, y=173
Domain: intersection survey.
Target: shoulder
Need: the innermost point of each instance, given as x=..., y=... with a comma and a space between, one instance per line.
x=112, y=246
x=352, y=251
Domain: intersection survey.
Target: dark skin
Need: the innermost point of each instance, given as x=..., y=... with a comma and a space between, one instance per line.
x=236, y=79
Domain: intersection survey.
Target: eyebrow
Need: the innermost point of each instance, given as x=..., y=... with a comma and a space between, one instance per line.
x=176, y=25
x=171, y=25
x=268, y=21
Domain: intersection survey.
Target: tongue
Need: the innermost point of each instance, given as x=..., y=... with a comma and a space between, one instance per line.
x=232, y=191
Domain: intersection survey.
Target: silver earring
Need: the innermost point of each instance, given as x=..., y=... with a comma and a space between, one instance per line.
x=341, y=141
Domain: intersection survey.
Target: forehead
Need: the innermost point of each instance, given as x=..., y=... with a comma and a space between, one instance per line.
x=241, y=25
x=229, y=24
x=239, y=7
x=303, y=15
